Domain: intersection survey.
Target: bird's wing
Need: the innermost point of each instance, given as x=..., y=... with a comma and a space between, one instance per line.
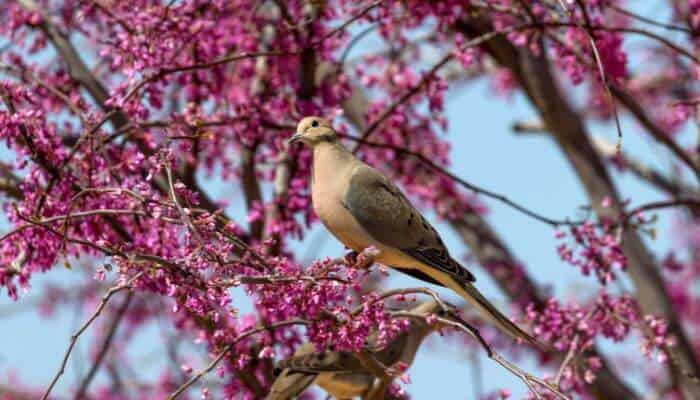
x=325, y=361
x=290, y=384
x=345, y=362
x=388, y=216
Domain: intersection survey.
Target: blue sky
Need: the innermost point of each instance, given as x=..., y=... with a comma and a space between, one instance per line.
x=530, y=170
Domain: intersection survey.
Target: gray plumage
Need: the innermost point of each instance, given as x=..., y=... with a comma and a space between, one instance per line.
x=342, y=374
x=361, y=207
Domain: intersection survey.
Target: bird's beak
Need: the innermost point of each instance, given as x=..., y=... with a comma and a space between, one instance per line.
x=295, y=138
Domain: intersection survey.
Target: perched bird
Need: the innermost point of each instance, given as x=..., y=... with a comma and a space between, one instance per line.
x=343, y=374
x=362, y=208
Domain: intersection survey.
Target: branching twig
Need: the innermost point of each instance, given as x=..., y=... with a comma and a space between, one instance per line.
x=347, y=23
x=430, y=75
x=476, y=189
x=527, y=378
x=104, y=347
x=74, y=337
x=228, y=348
x=598, y=62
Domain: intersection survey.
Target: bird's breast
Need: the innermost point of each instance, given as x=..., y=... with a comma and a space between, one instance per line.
x=330, y=209
x=328, y=205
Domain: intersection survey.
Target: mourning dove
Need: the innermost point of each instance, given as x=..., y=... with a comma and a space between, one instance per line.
x=345, y=375
x=363, y=208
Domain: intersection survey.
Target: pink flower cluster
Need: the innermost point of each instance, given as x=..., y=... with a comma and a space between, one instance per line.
x=575, y=328
x=146, y=145
x=593, y=249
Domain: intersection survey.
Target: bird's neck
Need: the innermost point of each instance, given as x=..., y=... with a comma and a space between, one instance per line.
x=329, y=154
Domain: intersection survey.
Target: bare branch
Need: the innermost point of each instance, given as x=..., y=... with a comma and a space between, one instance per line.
x=534, y=75
x=74, y=337
x=609, y=151
x=104, y=347
x=228, y=348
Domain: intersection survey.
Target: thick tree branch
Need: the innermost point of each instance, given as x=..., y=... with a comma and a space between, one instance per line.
x=608, y=151
x=79, y=71
x=493, y=254
x=251, y=189
x=534, y=75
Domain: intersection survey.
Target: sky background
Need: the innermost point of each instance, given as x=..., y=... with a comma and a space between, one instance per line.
x=528, y=169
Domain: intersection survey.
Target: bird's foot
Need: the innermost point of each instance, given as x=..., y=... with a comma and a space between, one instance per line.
x=351, y=257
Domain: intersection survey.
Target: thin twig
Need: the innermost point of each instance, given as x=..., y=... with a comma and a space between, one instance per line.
x=347, y=23
x=104, y=348
x=476, y=189
x=428, y=76
x=569, y=356
x=527, y=378
x=183, y=213
x=74, y=337
x=275, y=279
x=163, y=72
x=693, y=204
x=649, y=21
x=599, y=64
x=228, y=348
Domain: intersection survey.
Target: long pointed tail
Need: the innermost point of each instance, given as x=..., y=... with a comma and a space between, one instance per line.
x=470, y=293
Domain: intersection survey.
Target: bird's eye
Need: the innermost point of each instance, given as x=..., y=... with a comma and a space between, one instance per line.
x=314, y=123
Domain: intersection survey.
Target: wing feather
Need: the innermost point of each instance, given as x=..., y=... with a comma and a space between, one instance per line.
x=388, y=216
x=325, y=361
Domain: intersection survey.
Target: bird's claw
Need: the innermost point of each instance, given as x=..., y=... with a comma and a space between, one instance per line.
x=351, y=257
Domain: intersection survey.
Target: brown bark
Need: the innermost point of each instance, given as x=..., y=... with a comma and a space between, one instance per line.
x=79, y=72
x=491, y=252
x=606, y=150
x=534, y=75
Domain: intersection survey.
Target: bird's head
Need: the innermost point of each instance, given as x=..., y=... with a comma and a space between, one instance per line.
x=314, y=130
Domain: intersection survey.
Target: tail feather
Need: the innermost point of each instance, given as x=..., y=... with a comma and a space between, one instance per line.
x=470, y=293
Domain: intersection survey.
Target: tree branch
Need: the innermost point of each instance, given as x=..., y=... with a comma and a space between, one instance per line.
x=104, y=347
x=533, y=74
x=608, y=151
x=492, y=253
x=227, y=349
x=74, y=338
x=81, y=74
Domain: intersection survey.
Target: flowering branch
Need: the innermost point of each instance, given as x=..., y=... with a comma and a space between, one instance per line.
x=567, y=128
x=228, y=348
